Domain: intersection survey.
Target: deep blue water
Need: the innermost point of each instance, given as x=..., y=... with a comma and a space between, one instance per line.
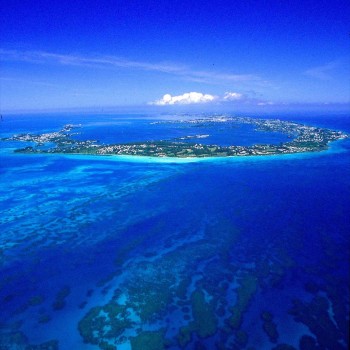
x=130, y=253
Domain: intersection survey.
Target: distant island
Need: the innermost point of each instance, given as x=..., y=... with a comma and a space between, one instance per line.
x=303, y=139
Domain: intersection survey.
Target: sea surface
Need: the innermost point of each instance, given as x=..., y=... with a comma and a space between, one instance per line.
x=122, y=252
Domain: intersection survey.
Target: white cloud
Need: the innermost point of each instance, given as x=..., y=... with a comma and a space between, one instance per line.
x=185, y=99
x=229, y=98
x=232, y=96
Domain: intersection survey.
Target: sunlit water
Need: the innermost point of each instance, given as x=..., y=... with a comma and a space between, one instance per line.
x=142, y=253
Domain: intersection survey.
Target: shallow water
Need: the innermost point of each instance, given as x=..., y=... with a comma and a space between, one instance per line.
x=222, y=253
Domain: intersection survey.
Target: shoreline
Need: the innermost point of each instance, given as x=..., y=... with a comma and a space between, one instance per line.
x=304, y=139
x=333, y=148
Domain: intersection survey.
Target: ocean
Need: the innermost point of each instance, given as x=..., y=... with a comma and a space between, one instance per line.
x=123, y=252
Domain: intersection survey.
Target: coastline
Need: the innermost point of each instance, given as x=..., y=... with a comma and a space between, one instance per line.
x=334, y=147
x=303, y=139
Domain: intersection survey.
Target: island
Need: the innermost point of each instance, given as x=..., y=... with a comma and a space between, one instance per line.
x=303, y=138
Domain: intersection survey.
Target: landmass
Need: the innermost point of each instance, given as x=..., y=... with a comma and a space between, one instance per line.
x=304, y=138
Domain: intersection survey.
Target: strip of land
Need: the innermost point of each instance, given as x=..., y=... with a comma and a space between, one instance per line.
x=303, y=139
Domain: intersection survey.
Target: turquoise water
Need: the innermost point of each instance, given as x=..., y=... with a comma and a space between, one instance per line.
x=139, y=253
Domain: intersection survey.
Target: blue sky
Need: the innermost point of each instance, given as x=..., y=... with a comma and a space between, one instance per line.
x=224, y=55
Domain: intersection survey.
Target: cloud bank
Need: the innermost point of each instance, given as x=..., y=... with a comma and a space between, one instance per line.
x=185, y=99
x=232, y=96
x=197, y=97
